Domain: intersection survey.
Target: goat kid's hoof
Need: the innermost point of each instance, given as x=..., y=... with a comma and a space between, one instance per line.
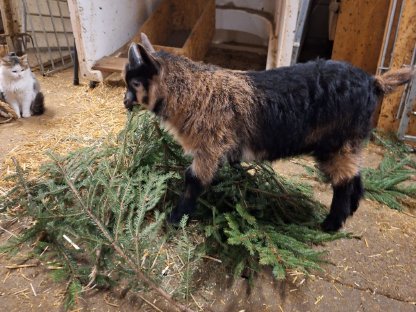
x=183, y=208
x=175, y=217
x=331, y=224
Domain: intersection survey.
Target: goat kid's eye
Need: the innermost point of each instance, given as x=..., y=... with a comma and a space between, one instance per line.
x=136, y=84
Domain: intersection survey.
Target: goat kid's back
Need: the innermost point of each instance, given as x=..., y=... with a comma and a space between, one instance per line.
x=323, y=108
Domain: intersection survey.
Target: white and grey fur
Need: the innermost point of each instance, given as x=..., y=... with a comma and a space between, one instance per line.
x=19, y=87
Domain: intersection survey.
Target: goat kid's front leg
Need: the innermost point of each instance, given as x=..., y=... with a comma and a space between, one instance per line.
x=198, y=176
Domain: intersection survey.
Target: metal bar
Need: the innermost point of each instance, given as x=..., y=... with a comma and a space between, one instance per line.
x=386, y=42
x=67, y=65
x=33, y=45
x=66, y=36
x=405, y=95
x=408, y=109
x=46, y=15
x=302, y=16
x=410, y=138
x=50, y=31
x=76, y=66
x=54, y=29
x=397, y=30
x=53, y=49
x=34, y=38
x=46, y=37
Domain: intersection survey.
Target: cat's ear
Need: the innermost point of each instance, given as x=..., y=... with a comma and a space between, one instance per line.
x=4, y=60
x=23, y=60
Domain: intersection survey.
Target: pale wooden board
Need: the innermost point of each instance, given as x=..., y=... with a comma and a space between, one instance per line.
x=111, y=64
x=359, y=33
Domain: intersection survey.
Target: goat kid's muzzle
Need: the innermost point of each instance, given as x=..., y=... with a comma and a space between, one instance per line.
x=130, y=100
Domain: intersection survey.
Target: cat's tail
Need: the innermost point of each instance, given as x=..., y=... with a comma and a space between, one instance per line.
x=38, y=105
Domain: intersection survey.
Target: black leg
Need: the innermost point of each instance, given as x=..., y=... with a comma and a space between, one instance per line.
x=357, y=193
x=187, y=202
x=340, y=207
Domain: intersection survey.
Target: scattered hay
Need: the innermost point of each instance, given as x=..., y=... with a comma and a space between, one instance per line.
x=100, y=116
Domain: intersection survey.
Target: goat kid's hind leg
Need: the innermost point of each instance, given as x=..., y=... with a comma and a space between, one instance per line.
x=357, y=193
x=342, y=168
x=197, y=177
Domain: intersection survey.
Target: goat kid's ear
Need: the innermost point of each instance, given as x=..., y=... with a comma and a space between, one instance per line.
x=148, y=59
x=134, y=56
x=146, y=43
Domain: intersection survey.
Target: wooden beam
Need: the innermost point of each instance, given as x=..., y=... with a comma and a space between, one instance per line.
x=359, y=32
x=110, y=64
x=402, y=53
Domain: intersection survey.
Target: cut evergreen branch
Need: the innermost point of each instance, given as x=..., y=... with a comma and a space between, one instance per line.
x=392, y=144
x=110, y=199
x=385, y=184
x=391, y=183
x=118, y=249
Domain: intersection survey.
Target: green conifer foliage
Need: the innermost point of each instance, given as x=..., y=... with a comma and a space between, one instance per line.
x=111, y=199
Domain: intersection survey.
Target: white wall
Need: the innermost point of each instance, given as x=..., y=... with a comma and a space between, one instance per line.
x=105, y=25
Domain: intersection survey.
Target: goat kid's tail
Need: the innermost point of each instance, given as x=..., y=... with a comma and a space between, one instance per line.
x=38, y=105
x=389, y=81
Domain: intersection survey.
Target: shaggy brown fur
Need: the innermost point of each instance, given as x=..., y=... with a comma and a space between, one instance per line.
x=343, y=165
x=390, y=80
x=212, y=132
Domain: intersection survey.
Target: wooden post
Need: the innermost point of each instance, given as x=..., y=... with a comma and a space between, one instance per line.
x=7, y=18
x=285, y=31
x=402, y=53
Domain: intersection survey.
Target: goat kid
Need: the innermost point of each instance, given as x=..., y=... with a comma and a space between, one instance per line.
x=322, y=108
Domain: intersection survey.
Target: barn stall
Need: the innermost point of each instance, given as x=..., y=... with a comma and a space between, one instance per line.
x=236, y=34
x=373, y=35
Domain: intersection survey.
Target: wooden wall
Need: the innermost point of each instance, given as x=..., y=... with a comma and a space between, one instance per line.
x=359, y=32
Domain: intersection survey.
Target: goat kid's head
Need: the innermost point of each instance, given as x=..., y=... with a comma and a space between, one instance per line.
x=142, y=75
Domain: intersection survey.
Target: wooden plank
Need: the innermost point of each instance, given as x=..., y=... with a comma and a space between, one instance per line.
x=110, y=64
x=402, y=53
x=360, y=31
x=202, y=33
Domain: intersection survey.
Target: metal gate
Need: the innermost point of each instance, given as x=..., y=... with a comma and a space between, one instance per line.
x=49, y=25
x=407, y=108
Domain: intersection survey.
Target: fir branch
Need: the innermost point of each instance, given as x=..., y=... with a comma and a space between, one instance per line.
x=384, y=184
x=141, y=275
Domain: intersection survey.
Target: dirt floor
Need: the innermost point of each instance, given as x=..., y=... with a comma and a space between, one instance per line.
x=374, y=272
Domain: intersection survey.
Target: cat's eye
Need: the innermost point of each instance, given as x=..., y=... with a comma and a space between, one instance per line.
x=14, y=71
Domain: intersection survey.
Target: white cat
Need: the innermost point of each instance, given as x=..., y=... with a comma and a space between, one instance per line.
x=19, y=87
